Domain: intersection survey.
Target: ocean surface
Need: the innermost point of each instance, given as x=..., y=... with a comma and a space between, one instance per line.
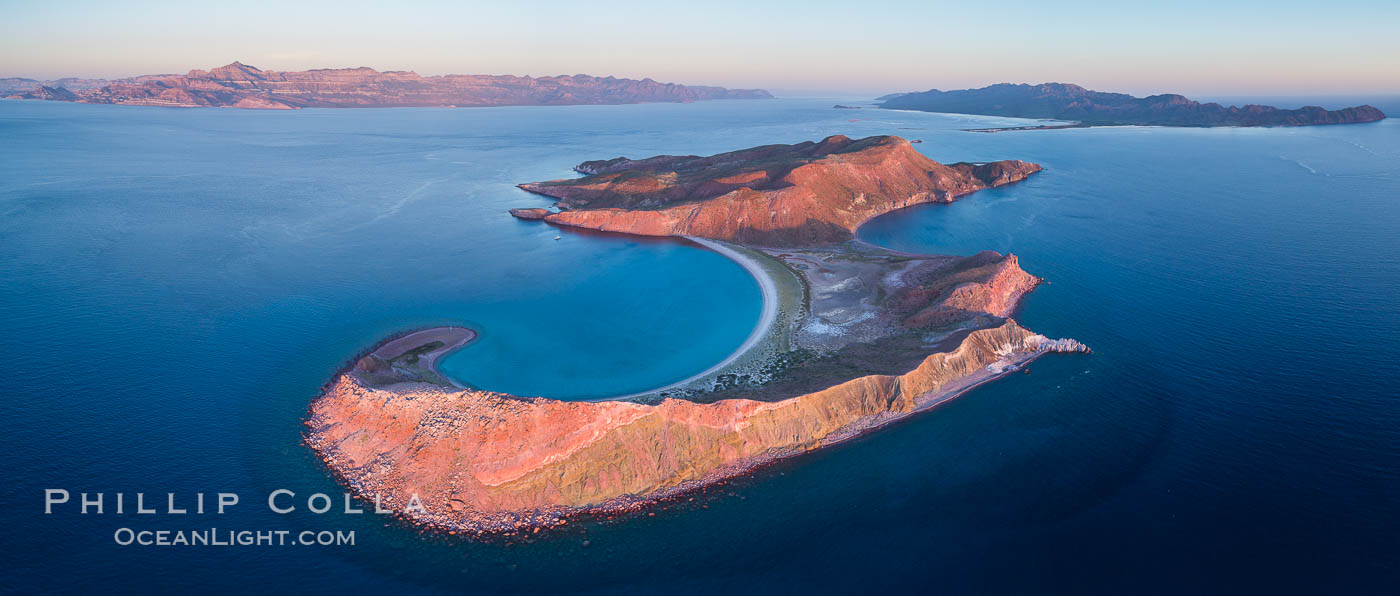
x=175, y=286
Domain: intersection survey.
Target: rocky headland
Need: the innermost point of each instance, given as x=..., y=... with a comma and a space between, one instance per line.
x=774, y=195
x=239, y=85
x=1060, y=101
x=853, y=337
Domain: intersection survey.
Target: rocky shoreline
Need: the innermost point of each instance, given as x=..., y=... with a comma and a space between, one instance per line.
x=862, y=405
x=387, y=437
x=852, y=338
x=804, y=194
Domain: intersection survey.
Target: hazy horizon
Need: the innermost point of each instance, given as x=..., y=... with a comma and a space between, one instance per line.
x=1277, y=49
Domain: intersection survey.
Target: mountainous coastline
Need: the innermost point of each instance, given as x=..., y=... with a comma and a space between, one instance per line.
x=242, y=86
x=774, y=195
x=17, y=86
x=1060, y=101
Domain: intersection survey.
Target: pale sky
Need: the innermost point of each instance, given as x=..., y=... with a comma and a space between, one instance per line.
x=1191, y=47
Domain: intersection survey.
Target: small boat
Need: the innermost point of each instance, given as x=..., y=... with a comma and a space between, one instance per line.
x=558, y=237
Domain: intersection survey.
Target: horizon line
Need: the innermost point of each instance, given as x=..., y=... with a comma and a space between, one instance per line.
x=797, y=91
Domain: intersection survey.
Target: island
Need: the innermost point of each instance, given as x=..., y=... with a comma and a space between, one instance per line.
x=852, y=337
x=239, y=85
x=1082, y=107
x=774, y=195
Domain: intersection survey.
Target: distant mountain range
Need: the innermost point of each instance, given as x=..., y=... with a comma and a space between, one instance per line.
x=1062, y=101
x=241, y=86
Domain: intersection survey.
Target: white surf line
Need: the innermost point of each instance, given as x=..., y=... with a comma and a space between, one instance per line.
x=765, y=319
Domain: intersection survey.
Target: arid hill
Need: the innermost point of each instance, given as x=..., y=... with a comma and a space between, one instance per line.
x=774, y=195
x=241, y=86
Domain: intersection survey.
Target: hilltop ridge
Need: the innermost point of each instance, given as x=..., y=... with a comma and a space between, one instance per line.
x=243, y=86
x=773, y=195
x=1064, y=101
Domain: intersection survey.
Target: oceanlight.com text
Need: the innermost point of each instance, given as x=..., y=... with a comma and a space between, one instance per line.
x=218, y=537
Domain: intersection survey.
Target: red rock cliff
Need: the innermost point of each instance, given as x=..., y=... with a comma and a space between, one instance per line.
x=983, y=283
x=487, y=461
x=775, y=195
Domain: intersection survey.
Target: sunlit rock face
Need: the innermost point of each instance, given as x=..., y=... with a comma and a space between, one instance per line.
x=775, y=195
x=485, y=461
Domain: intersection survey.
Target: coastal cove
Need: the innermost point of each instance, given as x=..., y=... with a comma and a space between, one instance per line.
x=394, y=430
x=204, y=289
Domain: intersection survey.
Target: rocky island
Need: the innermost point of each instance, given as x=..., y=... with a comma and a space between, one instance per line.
x=775, y=195
x=239, y=85
x=1060, y=101
x=853, y=337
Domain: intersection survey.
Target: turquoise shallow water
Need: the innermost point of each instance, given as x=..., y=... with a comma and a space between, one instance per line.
x=178, y=284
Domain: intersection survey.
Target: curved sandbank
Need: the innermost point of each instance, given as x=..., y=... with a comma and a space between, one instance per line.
x=767, y=317
x=765, y=331
x=413, y=356
x=450, y=338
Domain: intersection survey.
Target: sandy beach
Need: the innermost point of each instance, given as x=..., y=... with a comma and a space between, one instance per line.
x=766, y=319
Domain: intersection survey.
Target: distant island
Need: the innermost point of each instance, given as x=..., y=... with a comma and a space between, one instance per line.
x=852, y=337
x=238, y=85
x=774, y=195
x=1059, y=101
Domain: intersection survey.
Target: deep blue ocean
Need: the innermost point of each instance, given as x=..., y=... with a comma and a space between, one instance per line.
x=175, y=286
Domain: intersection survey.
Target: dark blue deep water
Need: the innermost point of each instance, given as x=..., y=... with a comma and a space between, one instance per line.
x=175, y=285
